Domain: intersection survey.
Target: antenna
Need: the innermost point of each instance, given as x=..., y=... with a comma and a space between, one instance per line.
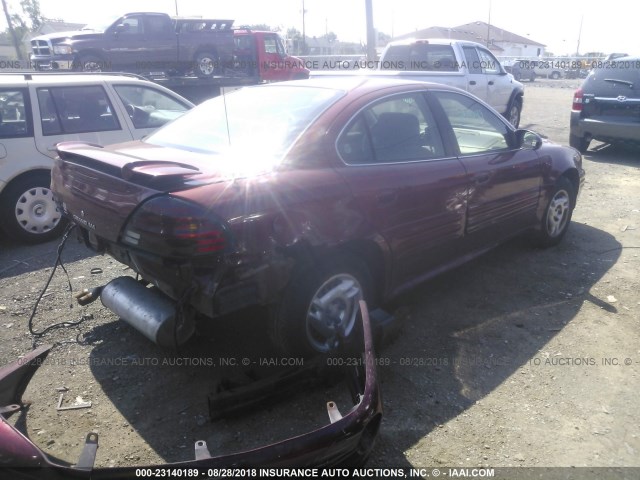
x=226, y=116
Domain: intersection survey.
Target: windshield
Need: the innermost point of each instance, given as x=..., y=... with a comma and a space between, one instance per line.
x=252, y=123
x=101, y=25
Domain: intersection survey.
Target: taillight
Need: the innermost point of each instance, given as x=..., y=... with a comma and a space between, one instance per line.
x=176, y=228
x=577, y=101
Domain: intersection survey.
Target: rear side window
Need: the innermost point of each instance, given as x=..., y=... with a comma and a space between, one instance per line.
x=399, y=129
x=15, y=117
x=65, y=110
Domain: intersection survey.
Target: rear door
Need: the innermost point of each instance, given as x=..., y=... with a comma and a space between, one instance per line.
x=504, y=181
x=77, y=112
x=405, y=180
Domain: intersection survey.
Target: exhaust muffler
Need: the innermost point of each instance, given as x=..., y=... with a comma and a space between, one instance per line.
x=149, y=311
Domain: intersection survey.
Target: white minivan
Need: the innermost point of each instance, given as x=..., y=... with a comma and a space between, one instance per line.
x=39, y=110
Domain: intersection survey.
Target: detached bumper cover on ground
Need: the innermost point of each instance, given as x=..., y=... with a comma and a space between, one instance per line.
x=346, y=441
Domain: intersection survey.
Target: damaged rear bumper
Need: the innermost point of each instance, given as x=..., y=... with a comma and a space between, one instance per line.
x=345, y=441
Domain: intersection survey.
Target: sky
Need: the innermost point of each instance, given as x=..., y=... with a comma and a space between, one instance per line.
x=606, y=26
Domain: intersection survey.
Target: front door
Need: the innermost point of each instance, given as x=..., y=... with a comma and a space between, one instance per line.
x=504, y=181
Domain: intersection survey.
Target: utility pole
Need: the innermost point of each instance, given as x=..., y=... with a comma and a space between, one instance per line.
x=371, y=33
x=489, y=27
x=579, y=35
x=176, y=3
x=304, y=35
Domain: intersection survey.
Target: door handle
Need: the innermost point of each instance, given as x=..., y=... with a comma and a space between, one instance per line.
x=472, y=82
x=490, y=82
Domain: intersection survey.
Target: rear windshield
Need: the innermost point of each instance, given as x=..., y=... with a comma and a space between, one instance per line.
x=421, y=57
x=621, y=75
x=264, y=121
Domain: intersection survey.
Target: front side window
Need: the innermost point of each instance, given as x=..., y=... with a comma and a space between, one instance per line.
x=15, y=120
x=488, y=62
x=148, y=107
x=82, y=109
x=270, y=44
x=477, y=129
x=399, y=129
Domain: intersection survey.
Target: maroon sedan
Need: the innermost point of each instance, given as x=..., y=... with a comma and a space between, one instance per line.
x=307, y=197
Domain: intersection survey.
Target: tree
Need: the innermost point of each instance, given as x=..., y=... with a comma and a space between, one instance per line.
x=331, y=37
x=261, y=26
x=18, y=25
x=31, y=8
x=12, y=31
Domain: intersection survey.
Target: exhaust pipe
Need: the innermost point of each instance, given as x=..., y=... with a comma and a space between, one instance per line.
x=149, y=311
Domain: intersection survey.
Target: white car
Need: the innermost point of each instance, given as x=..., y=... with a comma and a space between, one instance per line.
x=38, y=110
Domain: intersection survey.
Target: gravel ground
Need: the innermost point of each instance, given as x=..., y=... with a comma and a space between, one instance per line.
x=523, y=357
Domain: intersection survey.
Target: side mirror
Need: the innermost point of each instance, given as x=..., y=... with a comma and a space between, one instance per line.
x=528, y=140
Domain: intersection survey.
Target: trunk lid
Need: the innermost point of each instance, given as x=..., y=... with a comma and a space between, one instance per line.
x=99, y=187
x=612, y=94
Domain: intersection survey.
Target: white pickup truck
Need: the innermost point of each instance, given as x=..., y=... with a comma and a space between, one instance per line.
x=466, y=65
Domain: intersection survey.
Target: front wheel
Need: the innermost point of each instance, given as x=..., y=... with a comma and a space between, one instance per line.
x=320, y=308
x=555, y=75
x=557, y=216
x=29, y=213
x=90, y=63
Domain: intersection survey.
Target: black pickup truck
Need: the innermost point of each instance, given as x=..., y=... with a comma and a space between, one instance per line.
x=140, y=42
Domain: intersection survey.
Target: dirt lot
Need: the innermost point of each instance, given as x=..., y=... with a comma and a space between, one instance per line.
x=521, y=358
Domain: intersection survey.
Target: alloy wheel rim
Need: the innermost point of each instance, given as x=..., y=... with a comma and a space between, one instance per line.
x=558, y=213
x=332, y=312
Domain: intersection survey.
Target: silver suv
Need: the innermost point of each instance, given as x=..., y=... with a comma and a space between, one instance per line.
x=37, y=111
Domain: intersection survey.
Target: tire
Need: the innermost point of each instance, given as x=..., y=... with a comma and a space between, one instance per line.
x=579, y=143
x=28, y=211
x=533, y=77
x=90, y=63
x=341, y=282
x=207, y=64
x=557, y=214
x=513, y=112
x=555, y=75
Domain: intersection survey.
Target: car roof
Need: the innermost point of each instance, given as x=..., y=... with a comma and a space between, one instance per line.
x=13, y=78
x=434, y=41
x=357, y=83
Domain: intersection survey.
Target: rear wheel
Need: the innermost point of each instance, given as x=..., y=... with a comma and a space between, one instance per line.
x=579, y=143
x=207, y=64
x=319, y=309
x=29, y=213
x=557, y=215
x=555, y=75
